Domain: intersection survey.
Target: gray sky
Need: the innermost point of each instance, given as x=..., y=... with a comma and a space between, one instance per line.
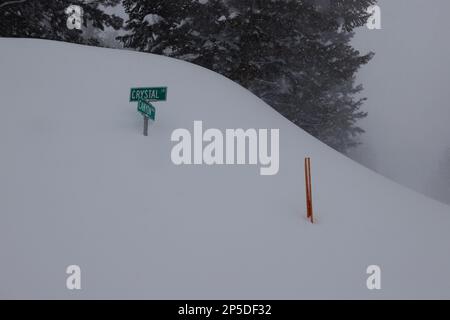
x=408, y=86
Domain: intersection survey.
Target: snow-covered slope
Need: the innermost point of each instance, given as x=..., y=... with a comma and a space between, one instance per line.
x=79, y=184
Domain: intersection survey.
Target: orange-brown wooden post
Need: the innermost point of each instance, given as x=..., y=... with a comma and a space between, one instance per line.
x=309, y=208
x=310, y=192
x=307, y=188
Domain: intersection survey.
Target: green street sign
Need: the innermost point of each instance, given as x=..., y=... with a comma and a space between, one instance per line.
x=147, y=109
x=148, y=94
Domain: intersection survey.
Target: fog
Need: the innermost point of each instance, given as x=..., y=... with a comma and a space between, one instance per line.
x=408, y=85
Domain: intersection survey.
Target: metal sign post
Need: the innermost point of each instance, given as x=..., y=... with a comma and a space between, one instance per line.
x=145, y=125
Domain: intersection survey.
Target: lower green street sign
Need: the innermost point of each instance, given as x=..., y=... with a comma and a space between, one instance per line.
x=146, y=109
x=149, y=94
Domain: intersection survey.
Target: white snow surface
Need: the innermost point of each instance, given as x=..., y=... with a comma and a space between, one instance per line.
x=153, y=19
x=80, y=184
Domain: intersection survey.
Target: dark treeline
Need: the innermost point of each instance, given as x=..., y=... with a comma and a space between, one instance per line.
x=48, y=20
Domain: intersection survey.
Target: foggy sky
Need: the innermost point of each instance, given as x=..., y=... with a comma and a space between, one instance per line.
x=408, y=86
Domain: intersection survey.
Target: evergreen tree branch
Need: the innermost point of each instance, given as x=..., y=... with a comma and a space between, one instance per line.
x=11, y=2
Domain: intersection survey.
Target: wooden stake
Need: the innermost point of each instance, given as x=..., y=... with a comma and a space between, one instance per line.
x=309, y=191
x=309, y=208
x=307, y=188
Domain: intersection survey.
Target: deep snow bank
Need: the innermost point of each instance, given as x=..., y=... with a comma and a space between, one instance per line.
x=79, y=184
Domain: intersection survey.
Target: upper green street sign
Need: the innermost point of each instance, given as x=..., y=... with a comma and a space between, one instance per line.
x=146, y=109
x=148, y=94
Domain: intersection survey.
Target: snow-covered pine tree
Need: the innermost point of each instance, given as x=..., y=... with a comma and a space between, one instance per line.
x=178, y=28
x=47, y=19
x=305, y=65
x=340, y=109
x=294, y=54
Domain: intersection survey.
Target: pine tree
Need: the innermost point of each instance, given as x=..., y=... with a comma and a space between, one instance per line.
x=296, y=55
x=47, y=19
x=179, y=28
